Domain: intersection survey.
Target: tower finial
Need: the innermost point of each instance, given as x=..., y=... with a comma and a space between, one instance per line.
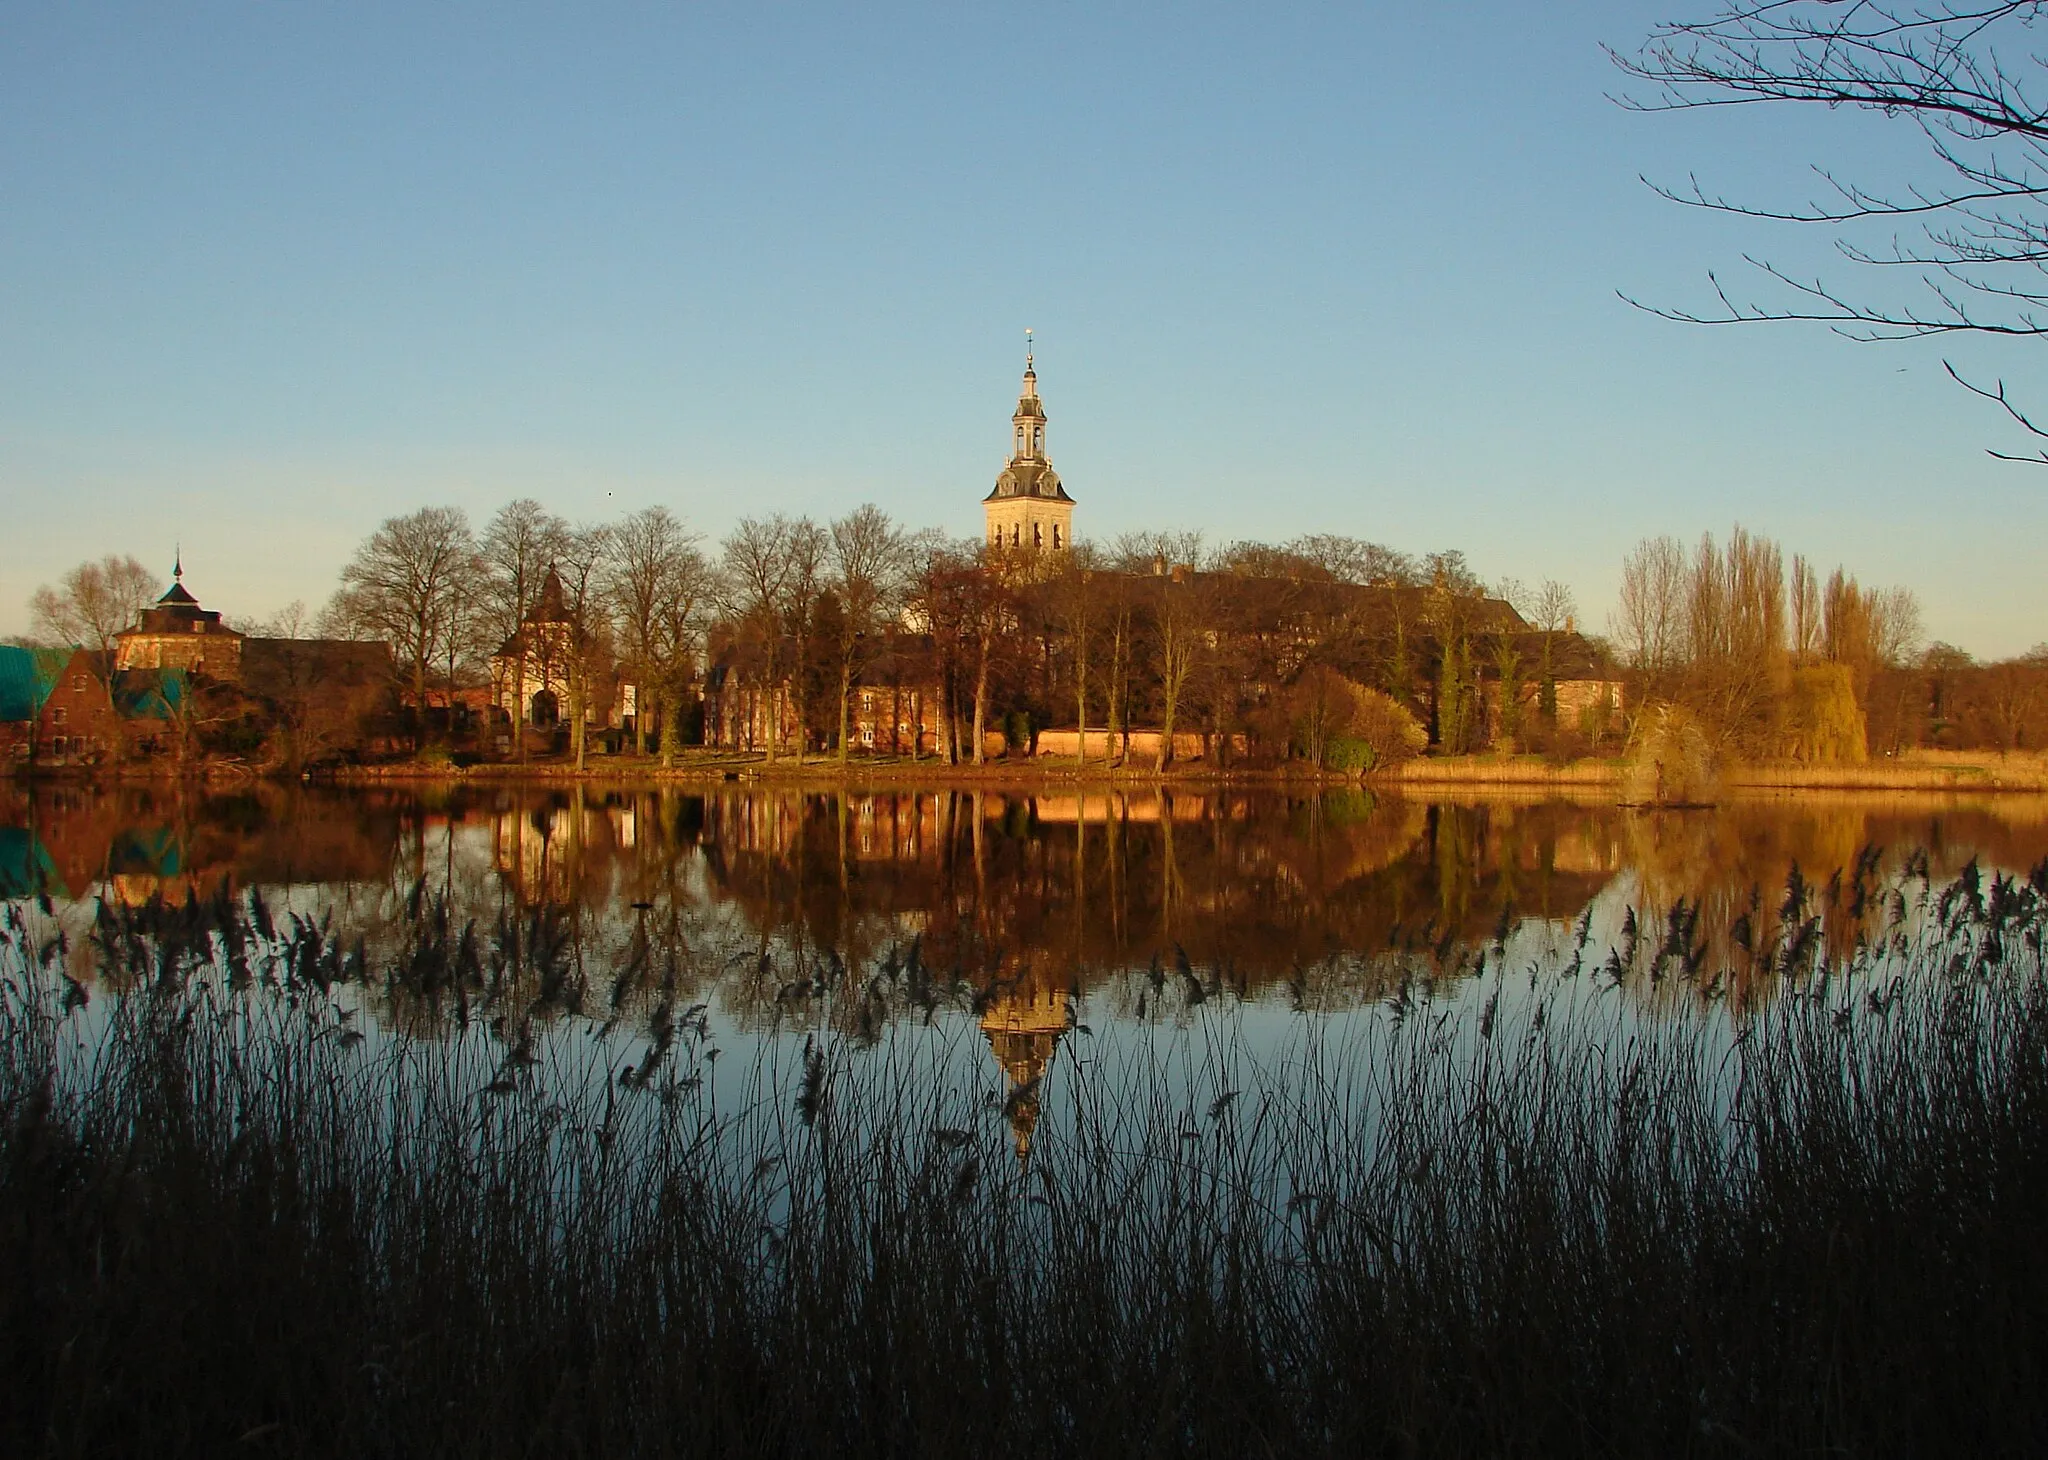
x=177, y=563
x=1027, y=350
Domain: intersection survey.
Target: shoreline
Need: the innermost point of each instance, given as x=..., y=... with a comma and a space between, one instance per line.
x=1924, y=772
x=1938, y=772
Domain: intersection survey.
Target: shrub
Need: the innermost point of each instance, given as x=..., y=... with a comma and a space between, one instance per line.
x=1670, y=761
x=1822, y=719
x=1337, y=724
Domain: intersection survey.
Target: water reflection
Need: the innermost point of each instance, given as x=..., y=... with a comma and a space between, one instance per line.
x=1026, y=898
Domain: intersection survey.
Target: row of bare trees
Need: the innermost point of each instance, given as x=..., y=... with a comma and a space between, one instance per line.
x=1774, y=662
x=627, y=595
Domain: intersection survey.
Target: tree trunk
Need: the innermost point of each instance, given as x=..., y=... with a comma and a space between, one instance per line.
x=1116, y=705
x=980, y=702
x=577, y=729
x=518, y=698
x=1081, y=706
x=419, y=702
x=796, y=697
x=640, y=710
x=671, y=728
x=845, y=708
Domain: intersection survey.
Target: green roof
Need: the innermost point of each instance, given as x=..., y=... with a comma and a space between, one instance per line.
x=26, y=678
x=149, y=694
x=25, y=865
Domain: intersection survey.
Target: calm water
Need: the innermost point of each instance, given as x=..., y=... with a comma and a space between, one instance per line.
x=1257, y=888
x=975, y=931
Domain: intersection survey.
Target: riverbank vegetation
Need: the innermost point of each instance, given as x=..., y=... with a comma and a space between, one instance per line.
x=1762, y=1189
x=861, y=641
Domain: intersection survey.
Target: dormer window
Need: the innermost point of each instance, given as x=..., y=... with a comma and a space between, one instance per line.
x=198, y=627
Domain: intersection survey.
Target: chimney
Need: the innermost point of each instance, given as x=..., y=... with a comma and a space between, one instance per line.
x=1568, y=628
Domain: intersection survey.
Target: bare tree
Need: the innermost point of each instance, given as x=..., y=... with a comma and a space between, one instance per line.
x=1805, y=603
x=1182, y=621
x=518, y=547
x=585, y=555
x=403, y=585
x=686, y=589
x=1353, y=560
x=808, y=547
x=1551, y=612
x=1896, y=630
x=1076, y=602
x=870, y=568
x=91, y=604
x=1735, y=624
x=647, y=555
x=754, y=586
x=1966, y=76
x=1649, y=616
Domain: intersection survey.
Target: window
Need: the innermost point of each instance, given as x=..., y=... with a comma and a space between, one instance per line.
x=78, y=681
x=198, y=627
x=57, y=745
x=1037, y=535
x=59, y=715
x=1055, y=536
x=1038, y=438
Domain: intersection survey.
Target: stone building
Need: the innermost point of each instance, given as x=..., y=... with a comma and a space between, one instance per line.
x=532, y=672
x=178, y=634
x=1029, y=510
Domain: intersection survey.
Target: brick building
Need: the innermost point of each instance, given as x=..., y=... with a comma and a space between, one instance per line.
x=55, y=709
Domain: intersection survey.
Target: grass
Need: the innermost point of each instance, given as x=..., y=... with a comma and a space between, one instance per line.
x=1622, y=1203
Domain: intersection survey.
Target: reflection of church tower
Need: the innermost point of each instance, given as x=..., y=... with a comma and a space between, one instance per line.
x=1023, y=1027
x=1029, y=509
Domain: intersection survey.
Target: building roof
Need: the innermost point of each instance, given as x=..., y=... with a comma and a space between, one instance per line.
x=1028, y=479
x=149, y=694
x=274, y=666
x=26, y=678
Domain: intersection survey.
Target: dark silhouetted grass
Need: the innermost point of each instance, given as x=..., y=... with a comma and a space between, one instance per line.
x=1620, y=1204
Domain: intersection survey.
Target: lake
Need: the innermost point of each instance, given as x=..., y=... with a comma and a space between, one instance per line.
x=773, y=907
x=500, y=1111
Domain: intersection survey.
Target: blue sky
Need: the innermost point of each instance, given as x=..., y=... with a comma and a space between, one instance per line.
x=269, y=274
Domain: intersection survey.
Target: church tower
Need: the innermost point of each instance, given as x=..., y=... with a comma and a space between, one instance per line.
x=1029, y=509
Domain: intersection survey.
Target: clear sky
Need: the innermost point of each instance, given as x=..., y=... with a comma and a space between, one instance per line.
x=271, y=273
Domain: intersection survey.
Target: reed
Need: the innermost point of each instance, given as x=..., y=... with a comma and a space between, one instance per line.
x=1613, y=1202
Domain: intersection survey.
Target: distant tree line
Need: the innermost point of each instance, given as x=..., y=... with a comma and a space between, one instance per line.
x=1154, y=630
x=1327, y=649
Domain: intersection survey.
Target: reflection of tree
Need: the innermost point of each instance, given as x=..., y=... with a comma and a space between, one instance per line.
x=1729, y=871
x=793, y=909
x=1099, y=883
